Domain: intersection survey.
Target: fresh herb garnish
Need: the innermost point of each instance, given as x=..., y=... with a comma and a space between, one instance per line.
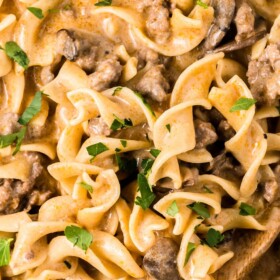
x=124, y=143
x=214, y=237
x=37, y=12
x=119, y=123
x=168, y=127
x=201, y=4
x=125, y=164
x=87, y=187
x=33, y=109
x=246, y=209
x=103, y=3
x=200, y=209
x=78, y=236
x=242, y=103
x=67, y=7
x=148, y=106
x=173, y=209
x=68, y=264
x=147, y=164
x=206, y=189
x=5, y=251
x=53, y=11
x=117, y=150
x=191, y=247
x=96, y=149
x=147, y=196
x=116, y=90
x=155, y=152
x=13, y=51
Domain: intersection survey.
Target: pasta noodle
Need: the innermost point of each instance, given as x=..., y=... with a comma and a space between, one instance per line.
x=137, y=141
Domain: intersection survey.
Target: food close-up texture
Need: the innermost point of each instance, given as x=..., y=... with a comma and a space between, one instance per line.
x=139, y=139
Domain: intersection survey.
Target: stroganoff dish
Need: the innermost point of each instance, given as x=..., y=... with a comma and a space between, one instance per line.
x=139, y=139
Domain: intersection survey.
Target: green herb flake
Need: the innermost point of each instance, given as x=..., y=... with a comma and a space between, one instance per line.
x=68, y=264
x=37, y=12
x=147, y=196
x=103, y=3
x=246, y=209
x=148, y=106
x=33, y=109
x=242, y=103
x=173, y=209
x=147, y=164
x=117, y=150
x=96, y=149
x=67, y=7
x=119, y=123
x=53, y=11
x=87, y=187
x=78, y=236
x=201, y=4
x=127, y=165
x=168, y=127
x=200, y=209
x=214, y=237
x=124, y=143
x=191, y=247
x=5, y=251
x=207, y=190
x=116, y=90
x=13, y=51
x=155, y=152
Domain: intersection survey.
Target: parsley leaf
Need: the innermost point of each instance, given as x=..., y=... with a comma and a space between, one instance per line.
x=173, y=209
x=13, y=51
x=117, y=150
x=124, y=143
x=37, y=12
x=191, y=247
x=214, y=237
x=5, y=251
x=33, y=109
x=148, y=106
x=147, y=195
x=246, y=209
x=68, y=264
x=87, y=187
x=103, y=3
x=147, y=164
x=206, y=189
x=119, y=123
x=96, y=149
x=201, y=4
x=116, y=90
x=242, y=103
x=200, y=209
x=155, y=152
x=78, y=236
x=168, y=127
x=125, y=164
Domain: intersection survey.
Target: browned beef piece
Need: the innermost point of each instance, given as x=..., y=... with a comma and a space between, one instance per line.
x=154, y=84
x=225, y=130
x=107, y=72
x=9, y=123
x=225, y=166
x=271, y=190
x=205, y=134
x=97, y=126
x=16, y=195
x=138, y=132
x=160, y=260
x=263, y=76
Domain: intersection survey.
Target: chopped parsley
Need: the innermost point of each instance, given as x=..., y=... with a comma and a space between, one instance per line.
x=119, y=123
x=147, y=196
x=117, y=150
x=78, y=236
x=124, y=143
x=125, y=164
x=168, y=127
x=116, y=90
x=37, y=12
x=214, y=237
x=201, y=4
x=104, y=3
x=68, y=264
x=173, y=209
x=200, y=209
x=191, y=247
x=246, y=209
x=87, y=187
x=242, y=103
x=206, y=189
x=148, y=106
x=155, y=152
x=96, y=149
x=147, y=164
x=33, y=109
x=5, y=251
x=14, y=52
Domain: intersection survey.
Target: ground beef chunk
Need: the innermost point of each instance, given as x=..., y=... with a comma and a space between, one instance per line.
x=107, y=72
x=244, y=21
x=97, y=126
x=9, y=123
x=139, y=132
x=271, y=190
x=225, y=166
x=160, y=260
x=16, y=195
x=154, y=84
x=205, y=134
x=225, y=130
x=264, y=76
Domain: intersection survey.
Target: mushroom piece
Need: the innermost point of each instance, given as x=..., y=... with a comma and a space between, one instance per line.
x=160, y=260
